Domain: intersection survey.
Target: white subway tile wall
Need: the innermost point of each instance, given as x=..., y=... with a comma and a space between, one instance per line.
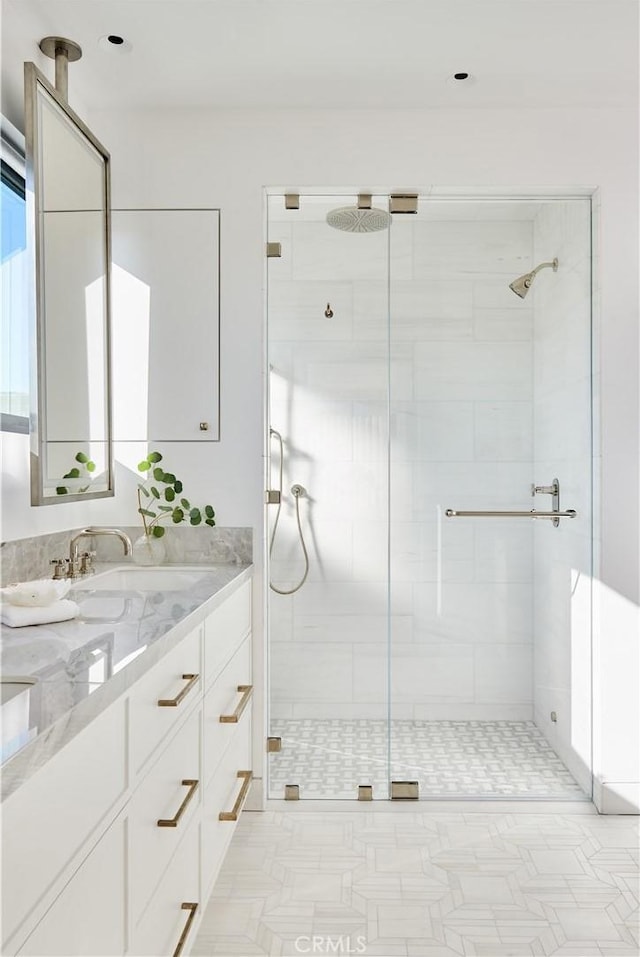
x=562, y=448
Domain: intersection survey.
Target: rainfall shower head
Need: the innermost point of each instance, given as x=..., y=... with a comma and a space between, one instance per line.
x=522, y=284
x=353, y=219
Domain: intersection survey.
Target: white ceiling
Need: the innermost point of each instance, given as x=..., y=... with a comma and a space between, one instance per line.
x=362, y=54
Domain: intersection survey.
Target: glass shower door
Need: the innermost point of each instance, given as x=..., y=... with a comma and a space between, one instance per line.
x=328, y=388
x=489, y=664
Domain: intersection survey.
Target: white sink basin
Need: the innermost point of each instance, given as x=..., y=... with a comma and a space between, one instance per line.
x=12, y=686
x=15, y=713
x=143, y=578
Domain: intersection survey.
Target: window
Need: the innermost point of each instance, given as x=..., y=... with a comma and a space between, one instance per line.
x=14, y=286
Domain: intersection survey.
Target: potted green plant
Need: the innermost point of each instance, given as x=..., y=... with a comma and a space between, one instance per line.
x=165, y=502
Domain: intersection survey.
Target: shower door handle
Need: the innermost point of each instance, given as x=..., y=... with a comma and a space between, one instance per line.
x=457, y=513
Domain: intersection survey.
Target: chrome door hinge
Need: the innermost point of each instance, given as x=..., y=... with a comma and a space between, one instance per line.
x=405, y=791
x=403, y=203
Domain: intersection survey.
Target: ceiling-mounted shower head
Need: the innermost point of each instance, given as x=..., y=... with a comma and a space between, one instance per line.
x=522, y=284
x=352, y=219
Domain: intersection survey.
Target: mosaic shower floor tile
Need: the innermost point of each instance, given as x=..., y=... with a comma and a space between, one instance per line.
x=470, y=759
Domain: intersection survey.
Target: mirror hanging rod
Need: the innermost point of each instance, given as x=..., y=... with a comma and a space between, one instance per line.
x=63, y=51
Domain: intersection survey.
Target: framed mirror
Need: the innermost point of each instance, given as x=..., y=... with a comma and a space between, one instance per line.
x=68, y=216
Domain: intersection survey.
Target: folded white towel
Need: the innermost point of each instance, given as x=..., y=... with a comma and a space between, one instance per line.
x=38, y=593
x=18, y=617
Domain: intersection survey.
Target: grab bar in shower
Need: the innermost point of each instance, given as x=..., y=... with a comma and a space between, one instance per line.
x=456, y=513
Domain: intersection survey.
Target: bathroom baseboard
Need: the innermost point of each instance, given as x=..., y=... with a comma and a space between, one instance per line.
x=613, y=797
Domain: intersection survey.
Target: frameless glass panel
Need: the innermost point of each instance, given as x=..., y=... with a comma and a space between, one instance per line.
x=490, y=626
x=328, y=379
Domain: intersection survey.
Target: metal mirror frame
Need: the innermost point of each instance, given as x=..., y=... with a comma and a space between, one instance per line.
x=33, y=80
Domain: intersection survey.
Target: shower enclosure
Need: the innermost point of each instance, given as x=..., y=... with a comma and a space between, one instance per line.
x=426, y=652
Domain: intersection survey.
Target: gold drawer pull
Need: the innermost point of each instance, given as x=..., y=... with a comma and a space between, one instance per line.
x=174, y=702
x=192, y=908
x=246, y=692
x=237, y=807
x=173, y=821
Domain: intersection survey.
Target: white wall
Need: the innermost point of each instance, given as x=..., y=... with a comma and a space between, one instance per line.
x=225, y=159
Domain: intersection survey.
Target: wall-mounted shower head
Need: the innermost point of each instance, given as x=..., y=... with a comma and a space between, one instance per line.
x=522, y=284
x=353, y=219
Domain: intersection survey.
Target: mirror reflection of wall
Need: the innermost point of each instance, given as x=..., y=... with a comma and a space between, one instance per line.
x=68, y=199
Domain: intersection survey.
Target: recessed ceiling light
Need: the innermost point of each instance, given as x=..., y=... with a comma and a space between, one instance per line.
x=114, y=43
x=460, y=79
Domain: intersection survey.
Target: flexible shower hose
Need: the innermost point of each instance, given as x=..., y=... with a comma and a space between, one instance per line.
x=297, y=492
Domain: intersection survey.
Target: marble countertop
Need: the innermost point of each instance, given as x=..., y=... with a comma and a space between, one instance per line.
x=83, y=665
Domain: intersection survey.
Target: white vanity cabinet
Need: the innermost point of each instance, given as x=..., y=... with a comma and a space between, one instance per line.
x=112, y=848
x=89, y=916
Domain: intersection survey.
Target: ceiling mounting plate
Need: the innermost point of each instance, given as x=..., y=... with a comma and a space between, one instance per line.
x=49, y=45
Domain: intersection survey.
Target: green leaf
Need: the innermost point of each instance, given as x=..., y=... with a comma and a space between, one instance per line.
x=61, y=490
x=144, y=466
x=164, y=508
x=209, y=521
x=81, y=457
x=91, y=466
x=154, y=491
x=185, y=503
x=177, y=515
x=74, y=473
x=195, y=512
x=208, y=511
x=158, y=475
x=145, y=511
x=154, y=457
x=195, y=520
x=157, y=531
x=177, y=486
x=169, y=478
x=144, y=490
x=169, y=494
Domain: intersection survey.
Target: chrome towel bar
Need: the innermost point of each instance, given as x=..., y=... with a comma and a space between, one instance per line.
x=455, y=513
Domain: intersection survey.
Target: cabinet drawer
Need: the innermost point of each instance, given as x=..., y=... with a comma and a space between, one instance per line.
x=88, y=917
x=223, y=699
x=165, y=921
x=163, y=796
x=151, y=723
x=46, y=821
x=220, y=796
x=224, y=630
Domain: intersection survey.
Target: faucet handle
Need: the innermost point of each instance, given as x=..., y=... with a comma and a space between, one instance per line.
x=61, y=569
x=86, y=563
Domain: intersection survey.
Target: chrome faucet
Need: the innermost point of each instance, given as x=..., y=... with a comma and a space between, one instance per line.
x=82, y=566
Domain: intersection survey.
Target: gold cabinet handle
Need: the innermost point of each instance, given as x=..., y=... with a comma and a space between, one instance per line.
x=192, y=908
x=174, y=702
x=173, y=821
x=246, y=692
x=237, y=807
